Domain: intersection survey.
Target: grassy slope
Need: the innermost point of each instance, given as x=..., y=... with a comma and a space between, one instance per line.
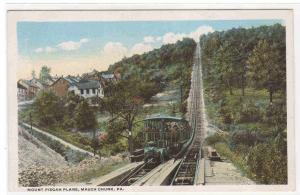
x=260, y=98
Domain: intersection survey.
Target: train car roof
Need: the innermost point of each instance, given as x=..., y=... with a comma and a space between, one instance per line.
x=158, y=117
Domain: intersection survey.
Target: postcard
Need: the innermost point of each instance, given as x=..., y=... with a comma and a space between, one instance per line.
x=150, y=100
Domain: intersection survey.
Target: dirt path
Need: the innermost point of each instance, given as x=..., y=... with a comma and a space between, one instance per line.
x=224, y=172
x=60, y=140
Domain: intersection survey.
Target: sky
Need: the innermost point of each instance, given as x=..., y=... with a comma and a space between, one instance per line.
x=71, y=48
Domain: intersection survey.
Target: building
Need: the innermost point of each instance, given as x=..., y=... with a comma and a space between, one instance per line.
x=36, y=83
x=22, y=92
x=62, y=85
x=102, y=77
x=89, y=89
x=26, y=90
x=94, y=75
x=84, y=87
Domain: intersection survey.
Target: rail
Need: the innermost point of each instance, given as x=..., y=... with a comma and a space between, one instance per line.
x=188, y=170
x=137, y=173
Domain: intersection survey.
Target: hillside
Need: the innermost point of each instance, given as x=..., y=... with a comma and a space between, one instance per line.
x=245, y=93
x=166, y=67
x=32, y=152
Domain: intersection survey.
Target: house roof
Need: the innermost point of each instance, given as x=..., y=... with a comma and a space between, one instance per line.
x=94, y=72
x=108, y=76
x=89, y=84
x=72, y=80
x=31, y=83
x=21, y=86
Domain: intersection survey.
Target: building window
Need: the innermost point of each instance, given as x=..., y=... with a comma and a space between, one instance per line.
x=81, y=91
x=87, y=91
x=94, y=91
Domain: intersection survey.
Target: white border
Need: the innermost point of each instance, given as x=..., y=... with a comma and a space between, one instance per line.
x=141, y=6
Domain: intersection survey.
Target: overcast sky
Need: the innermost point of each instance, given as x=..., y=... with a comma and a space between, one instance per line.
x=78, y=47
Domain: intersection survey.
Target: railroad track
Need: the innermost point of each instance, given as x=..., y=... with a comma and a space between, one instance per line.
x=188, y=170
x=137, y=173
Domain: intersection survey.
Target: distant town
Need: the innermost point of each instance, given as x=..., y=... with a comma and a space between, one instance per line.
x=88, y=85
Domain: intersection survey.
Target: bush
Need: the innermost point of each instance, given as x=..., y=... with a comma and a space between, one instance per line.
x=48, y=109
x=84, y=117
x=245, y=137
x=249, y=113
x=68, y=122
x=213, y=139
x=276, y=114
x=268, y=164
x=226, y=114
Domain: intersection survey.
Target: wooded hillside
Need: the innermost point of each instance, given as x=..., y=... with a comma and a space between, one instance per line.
x=160, y=67
x=245, y=87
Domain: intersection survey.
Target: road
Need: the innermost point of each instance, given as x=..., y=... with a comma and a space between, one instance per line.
x=73, y=147
x=24, y=104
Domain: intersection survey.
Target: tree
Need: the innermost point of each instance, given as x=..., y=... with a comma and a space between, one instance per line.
x=33, y=74
x=226, y=65
x=130, y=106
x=71, y=101
x=110, y=102
x=266, y=67
x=44, y=73
x=85, y=119
x=125, y=103
x=48, y=109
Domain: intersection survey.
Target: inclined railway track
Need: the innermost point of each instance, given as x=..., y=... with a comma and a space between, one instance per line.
x=188, y=171
x=137, y=173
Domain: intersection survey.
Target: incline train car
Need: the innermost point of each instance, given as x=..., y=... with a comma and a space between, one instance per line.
x=165, y=137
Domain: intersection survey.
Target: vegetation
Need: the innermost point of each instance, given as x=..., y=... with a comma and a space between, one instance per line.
x=245, y=87
x=58, y=117
x=44, y=73
x=97, y=171
x=48, y=109
x=70, y=155
x=142, y=77
x=171, y=64
x=84, y=117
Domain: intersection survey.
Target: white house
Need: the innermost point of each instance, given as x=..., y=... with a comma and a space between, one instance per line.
x=90, y=88
x=82, y=87
x=85, y=88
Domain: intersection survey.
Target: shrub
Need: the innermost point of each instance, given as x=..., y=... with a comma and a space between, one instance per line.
x=246, y=137
x=249, y=113
x=226, y=113
x=84, y=117
x=276, y=114
x=268, y=164
x=213, y=139
x=48, y=109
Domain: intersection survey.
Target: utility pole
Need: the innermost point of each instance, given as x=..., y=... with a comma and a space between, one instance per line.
x=181, y=92
x=94, y=141
x=30, y=121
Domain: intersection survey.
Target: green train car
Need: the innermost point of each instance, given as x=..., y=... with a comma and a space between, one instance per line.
x=165, y=137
